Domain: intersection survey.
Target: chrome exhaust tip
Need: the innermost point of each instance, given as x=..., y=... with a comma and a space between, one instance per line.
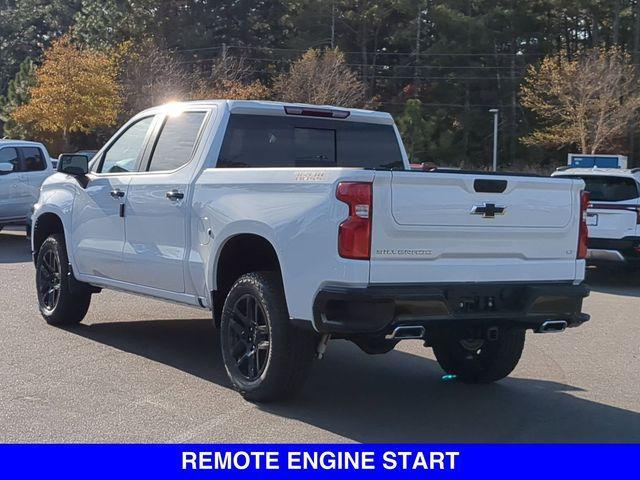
x=405, y=332
x=552, y=326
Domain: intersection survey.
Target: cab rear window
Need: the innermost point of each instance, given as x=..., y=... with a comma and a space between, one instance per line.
x=608, y=189
x=270, y=141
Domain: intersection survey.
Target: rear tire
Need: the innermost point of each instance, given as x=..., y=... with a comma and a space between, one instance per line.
x=478, y=360
x=266, y=358
x=58, y=304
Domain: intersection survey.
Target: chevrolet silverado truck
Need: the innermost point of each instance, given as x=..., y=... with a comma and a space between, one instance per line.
x=297, y=224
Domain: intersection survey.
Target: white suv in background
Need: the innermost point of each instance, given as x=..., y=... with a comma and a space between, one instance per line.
x=613, y=216
x=23, y=167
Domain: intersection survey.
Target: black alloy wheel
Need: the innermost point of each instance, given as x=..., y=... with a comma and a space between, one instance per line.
x=249, y=337
x=49, y=280
x=265, y=356
x=59, y=303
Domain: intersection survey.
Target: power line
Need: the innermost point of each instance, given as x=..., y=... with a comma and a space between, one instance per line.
x=456, y=105
x=375, y=66
x=407, y=54
x=451, y=78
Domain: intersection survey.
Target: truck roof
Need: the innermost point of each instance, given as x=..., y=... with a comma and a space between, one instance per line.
x=266, y=107
x=4, y=142
x=608, y=172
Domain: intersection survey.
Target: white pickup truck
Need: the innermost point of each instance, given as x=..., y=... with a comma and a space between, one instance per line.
x=295, y=224
x=23, y=167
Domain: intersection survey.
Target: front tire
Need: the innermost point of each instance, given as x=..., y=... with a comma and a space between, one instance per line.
x=266, y=358
x=475, y=360
x=58, y=304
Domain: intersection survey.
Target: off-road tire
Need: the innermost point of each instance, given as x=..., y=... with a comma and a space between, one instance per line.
x=291, y=350
x=495, y=360
x=71, y=305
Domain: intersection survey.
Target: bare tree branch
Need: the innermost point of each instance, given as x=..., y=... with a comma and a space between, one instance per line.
x=321, y=77
x=588, y=100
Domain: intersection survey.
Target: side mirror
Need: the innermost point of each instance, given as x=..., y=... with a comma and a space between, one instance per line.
x=6, y=168
x=76, y=164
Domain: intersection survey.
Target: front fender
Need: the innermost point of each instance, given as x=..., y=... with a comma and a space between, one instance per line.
x=59, y=202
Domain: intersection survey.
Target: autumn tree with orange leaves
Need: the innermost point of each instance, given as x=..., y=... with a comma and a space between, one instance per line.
x=76, y=91
x=589, y=100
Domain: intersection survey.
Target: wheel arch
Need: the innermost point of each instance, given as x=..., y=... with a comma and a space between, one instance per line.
x=44, y=225
x=239, y=254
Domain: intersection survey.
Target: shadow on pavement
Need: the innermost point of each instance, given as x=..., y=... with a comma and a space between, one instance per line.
x=398, y=397
x=614, y=281
x=14, y=248
x=188, y=345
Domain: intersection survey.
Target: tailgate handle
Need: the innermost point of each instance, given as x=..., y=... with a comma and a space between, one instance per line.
x=483, y=185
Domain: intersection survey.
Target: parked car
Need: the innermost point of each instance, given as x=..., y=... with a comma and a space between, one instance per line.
x=295, y=224
x=23, y=167
x=613, y=215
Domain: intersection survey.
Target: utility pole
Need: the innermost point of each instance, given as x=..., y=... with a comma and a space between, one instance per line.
x=416, y=74
x=223, y=60
x=495, y=138
x=333, y=24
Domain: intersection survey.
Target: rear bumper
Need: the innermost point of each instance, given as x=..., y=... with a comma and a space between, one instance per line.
x=380, y=308
x=609, y=250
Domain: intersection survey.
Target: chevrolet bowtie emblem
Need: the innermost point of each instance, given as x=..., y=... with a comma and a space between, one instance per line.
x=488, y=210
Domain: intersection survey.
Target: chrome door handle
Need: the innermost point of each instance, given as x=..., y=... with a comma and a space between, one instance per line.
x=116, y=193
x=174, y=195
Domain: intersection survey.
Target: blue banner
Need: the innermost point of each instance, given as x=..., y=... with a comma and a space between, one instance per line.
x=319, y=461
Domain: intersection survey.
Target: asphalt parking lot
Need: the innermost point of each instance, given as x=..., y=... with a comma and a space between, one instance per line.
x=139, y=370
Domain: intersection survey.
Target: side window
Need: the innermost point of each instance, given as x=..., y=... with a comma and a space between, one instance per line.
x=123, y=154
x=10, y=155
x=33, y=159
x=175, y=143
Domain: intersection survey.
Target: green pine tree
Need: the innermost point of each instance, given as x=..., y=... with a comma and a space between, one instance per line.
x=414, y=129
x=18, y=92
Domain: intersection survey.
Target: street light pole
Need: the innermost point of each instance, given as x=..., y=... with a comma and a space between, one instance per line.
x=333, y=24
x=495, y=138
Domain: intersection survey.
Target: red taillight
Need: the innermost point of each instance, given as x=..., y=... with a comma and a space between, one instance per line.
x=354, y=234
x=584, y=230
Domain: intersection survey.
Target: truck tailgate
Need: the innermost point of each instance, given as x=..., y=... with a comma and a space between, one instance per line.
x=459, y=227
